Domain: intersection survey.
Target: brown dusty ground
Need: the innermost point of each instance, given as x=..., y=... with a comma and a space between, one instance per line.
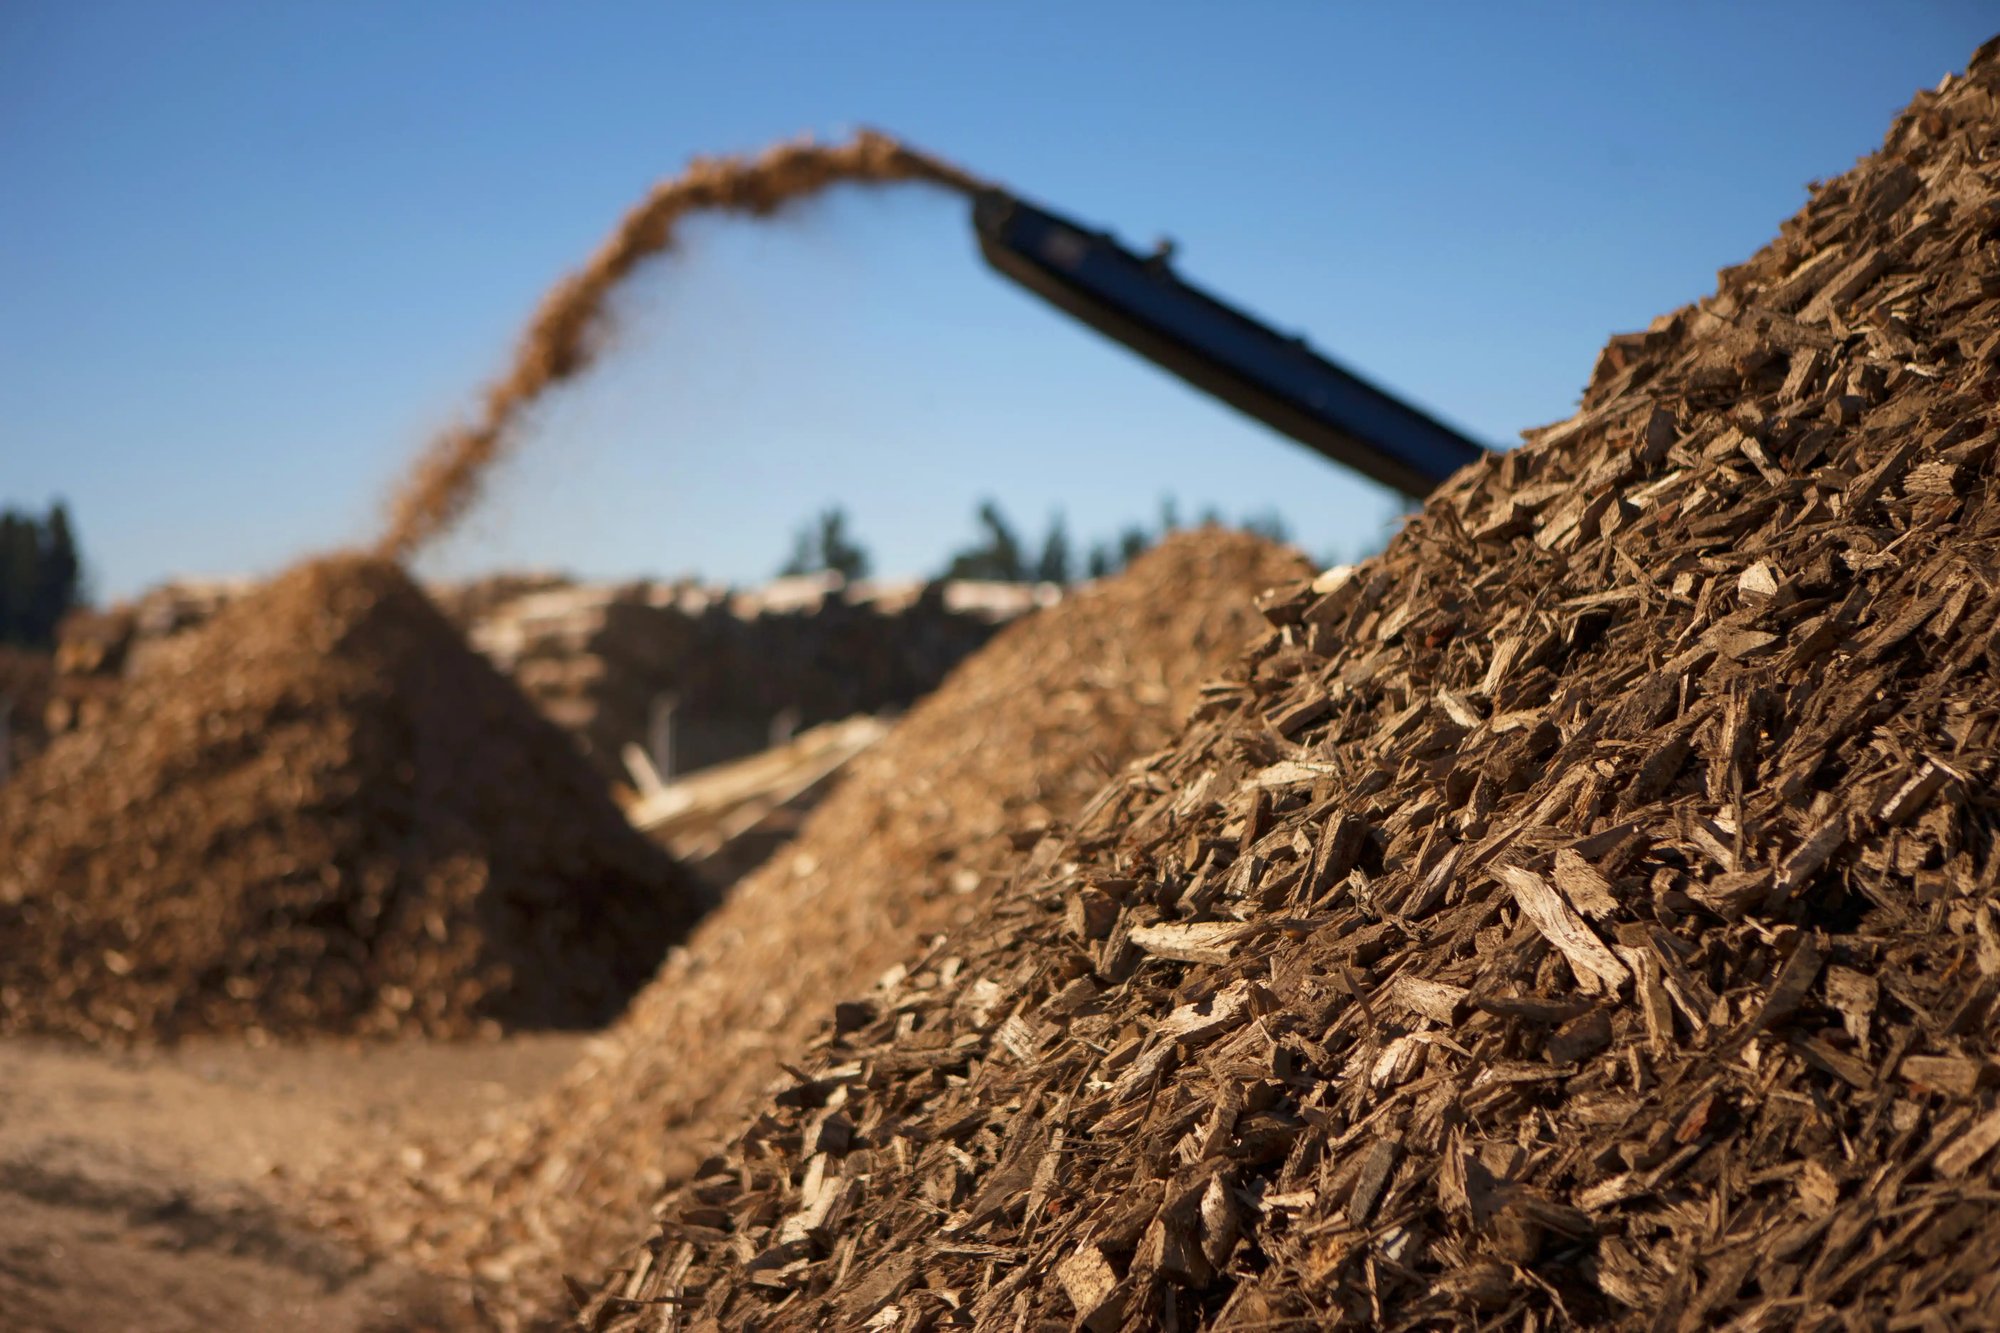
x=137, y=1188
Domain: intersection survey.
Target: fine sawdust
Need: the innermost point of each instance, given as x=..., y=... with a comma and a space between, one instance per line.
x=570, y=329
x=321, y=811
x=1588, y=915
x=1019, y=737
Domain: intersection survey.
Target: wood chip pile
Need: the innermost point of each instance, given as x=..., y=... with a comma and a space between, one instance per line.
x=95, y=649
x=1587, y=915
x=25, y=680
x=321, y=811
x=1019, y=737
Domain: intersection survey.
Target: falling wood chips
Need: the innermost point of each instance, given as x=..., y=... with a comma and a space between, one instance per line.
x=1658, y=992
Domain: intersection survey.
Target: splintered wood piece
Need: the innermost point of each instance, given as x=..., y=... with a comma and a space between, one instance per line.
x=1559, y=923
x=1963, y=1153
x=1806, y=860
x=1195, y=1023
x=1432, y=999
x=1788, y=991
x=1583, y=886
x=1915, y=791
x=1194, y=941
x=1339, y=847
x=1092, y=1286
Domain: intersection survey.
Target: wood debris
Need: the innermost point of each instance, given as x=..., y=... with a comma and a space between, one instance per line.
x=1601, y=1026
x=321, y=812
x=698, y=675
x=723, y=822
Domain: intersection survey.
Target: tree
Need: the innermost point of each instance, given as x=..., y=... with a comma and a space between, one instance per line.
x=1134, y=542
x=996, y=557
x=58, y=580
x=14, y=570
x=1268, y=524
x=1054, y=564
x=41, y=575
x=825, y=544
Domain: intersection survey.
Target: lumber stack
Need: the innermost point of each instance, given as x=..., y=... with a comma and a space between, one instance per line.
x=725, y=821
x=1585, y=914
x=709, y=675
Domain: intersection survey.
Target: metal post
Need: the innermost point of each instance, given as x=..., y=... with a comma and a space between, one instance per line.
x=660, y=735
x=784, y=726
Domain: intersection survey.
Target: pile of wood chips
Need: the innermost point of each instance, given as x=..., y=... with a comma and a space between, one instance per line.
x=909, y=842
x=24, y=695
x=320, y=811
x=1588, y=914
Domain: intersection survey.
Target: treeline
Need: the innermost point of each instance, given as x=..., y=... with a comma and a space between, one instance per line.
x=1000, y=553
x=41, y=575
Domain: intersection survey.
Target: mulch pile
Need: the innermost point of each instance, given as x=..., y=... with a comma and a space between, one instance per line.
x=1019, y=737
x=25, y=679
x=1587, y=915
x=321, y=811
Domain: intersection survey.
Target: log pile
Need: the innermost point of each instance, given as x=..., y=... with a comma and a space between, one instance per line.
x=735, y=667
x=725, y=821
x=715, y=669
x=319, y=812
x=1586, y=914
x=909, y=842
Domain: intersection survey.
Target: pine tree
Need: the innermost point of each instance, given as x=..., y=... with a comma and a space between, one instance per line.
x=824, y=544
x=1268, y=524
x=1134, y=542
x=1054, y=564
x=20, y=560
x=9, y=520
x=57, y=580
x=838, y=551
x=998, y=557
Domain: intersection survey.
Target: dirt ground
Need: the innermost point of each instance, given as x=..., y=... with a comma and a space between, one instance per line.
x=139, y=1190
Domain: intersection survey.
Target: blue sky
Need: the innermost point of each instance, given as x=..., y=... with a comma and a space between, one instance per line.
x=251, y=254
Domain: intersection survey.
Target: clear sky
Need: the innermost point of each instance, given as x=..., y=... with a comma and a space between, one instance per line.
x=251, y=253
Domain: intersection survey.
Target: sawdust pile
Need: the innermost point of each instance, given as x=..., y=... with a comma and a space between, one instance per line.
x=1018, y=737
x=1588, y=914
x=570, y=330
x=321, y=811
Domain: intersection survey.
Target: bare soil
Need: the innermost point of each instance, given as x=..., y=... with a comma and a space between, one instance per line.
x=144, y=1190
